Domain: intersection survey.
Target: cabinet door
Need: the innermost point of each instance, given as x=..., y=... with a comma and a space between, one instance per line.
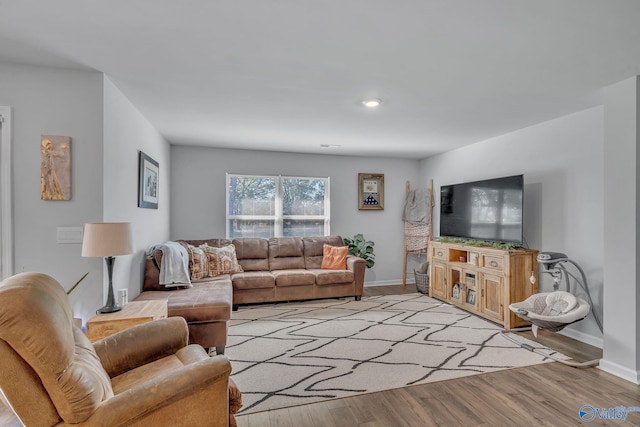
x=492, y=296
x=438, y=280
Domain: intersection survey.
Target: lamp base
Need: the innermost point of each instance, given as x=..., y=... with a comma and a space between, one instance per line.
x=109, y=309
x=111, y=305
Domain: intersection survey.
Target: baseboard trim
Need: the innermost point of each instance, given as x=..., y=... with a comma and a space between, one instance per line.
x=620, y=371
x=582, y=337
x=388, y=282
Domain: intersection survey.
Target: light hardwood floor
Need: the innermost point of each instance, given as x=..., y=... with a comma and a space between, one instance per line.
x=550, y=394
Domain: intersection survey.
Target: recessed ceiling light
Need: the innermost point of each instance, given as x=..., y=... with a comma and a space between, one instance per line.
x=371, y=103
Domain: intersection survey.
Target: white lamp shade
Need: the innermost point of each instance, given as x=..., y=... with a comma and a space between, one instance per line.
x=107, y=239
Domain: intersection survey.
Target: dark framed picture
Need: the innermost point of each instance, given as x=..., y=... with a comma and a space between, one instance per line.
x=471, y=297
x=370, y=191
x=148, y=182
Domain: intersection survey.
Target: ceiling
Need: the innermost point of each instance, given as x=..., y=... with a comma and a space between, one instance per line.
x=290, y=75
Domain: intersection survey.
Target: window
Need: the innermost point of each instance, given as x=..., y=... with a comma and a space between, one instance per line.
x=276, y=206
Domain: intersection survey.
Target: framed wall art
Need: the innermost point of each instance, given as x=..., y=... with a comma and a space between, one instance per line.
x=55, y=167
x=148, y=182
x=370, y=191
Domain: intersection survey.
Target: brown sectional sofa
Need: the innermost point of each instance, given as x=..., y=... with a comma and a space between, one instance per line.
x=275, y=269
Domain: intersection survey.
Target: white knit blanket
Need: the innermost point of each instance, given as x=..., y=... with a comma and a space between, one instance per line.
x=174, y=269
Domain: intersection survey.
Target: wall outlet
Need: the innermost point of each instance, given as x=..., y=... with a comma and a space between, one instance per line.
x=123, y=297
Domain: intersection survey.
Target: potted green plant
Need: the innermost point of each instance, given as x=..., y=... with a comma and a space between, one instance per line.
x=362, y=248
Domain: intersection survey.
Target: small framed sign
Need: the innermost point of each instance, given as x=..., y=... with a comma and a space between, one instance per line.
x=471, y=297
x=148, y=182
x=473, y=258
x=370, y=191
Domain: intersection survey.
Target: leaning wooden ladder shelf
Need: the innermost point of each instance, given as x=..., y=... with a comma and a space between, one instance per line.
x=416, y=235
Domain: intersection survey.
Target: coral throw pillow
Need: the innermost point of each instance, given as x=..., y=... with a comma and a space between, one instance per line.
x=334, y=257
x=221, y=260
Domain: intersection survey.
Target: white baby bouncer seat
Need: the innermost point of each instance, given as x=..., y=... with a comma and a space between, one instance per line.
x=555, y=310
x=551, y=310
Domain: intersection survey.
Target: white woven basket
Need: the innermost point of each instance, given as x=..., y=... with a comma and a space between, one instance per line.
x=416, y=236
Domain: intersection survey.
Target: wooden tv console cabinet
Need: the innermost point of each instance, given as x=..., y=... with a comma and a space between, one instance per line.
x=483, y=280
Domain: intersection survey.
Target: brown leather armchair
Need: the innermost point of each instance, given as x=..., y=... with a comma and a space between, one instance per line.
x=148, y=375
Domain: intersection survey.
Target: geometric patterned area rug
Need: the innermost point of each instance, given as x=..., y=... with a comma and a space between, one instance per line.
x=297, y=353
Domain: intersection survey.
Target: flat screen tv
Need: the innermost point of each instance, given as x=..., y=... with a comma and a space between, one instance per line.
x=491, y=209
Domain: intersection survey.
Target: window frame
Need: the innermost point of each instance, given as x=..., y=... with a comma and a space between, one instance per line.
x=279, y=217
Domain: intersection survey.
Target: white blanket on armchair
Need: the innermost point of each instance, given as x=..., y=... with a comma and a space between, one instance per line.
x=174, y=269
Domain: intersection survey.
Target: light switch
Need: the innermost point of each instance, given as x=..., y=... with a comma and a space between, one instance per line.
x=69, y=235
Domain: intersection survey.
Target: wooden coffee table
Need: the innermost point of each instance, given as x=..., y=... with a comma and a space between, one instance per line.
x=134, y=313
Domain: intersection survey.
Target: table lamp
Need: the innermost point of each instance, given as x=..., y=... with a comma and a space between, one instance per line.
x=108, y=240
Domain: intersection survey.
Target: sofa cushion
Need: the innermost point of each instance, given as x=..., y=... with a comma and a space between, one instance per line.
x=253, y=280
x=286, y=253
x=313, y=249
x=151, y=281
x=222, y=260
x=298, y=277
x=198, y=263
x=252, y=253
x=334, y=257
x=332, y=277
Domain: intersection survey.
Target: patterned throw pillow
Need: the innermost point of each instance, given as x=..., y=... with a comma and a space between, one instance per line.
x=221, y=260
x=198, y=263
x=334, y=257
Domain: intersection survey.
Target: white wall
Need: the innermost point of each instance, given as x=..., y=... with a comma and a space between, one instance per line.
x=621, y=354
x=198, y=183
x=563, y=174
x=126, y=132
x=106, y=133
x=58, y=102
